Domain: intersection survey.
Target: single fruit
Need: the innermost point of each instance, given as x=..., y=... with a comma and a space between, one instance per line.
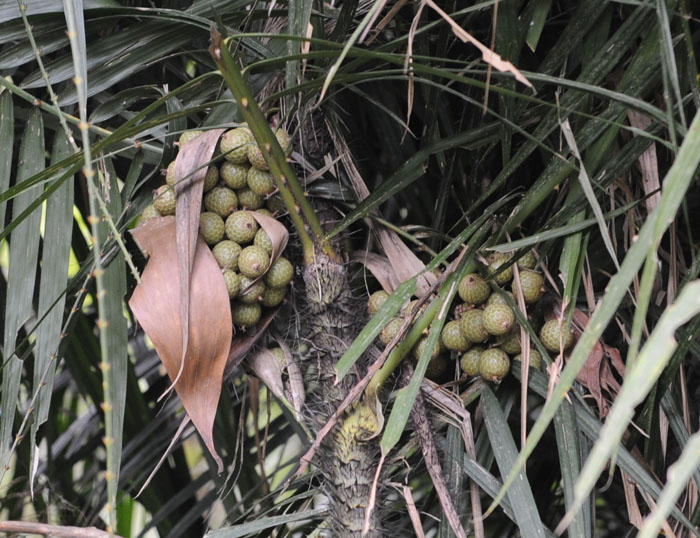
x=221, y=200
x=532, y=284
x=280, y=273
x=253, y=261
x=211, y=178
x=498, y=298
x=233, y=282
x=437, y=368
x=496, y=260
x=235, y=176
x=473, y=289
x=249, y=200
x=245, y=315
x=265, y=212
x=241, y=227
x=410, y=308
x=226, y=254
x=422, y=347
x=164, y=200
x=275, y=205
x=453, y=338
x=250, y=293
x=469, y=362
x=376, y=300
x=211, y=226
x=535, y=359
x=187, y=136
x=263, y=240
x=260, y=182
x=284, y=141
x=472, y=325
x=390, y=331
x=149, y=212
x=494, y=364
x=556, y=335
x=170, y=174
x=527, y=260
x=255, y=156
x=234, y=144
x=498, y=319
x=510, y=343
x=273, y=296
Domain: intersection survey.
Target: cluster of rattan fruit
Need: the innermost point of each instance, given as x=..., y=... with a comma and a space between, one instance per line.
x=484, y=334
x=233, y=190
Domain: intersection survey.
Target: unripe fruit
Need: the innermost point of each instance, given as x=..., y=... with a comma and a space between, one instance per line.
x=279, y=355
x=527, y=260
x=535, y=359
x=221, y=200
x=469, y=362
x=245, y=315
x=260, y=182
x=284, y=141
x=453, y=338
x=265, y=212
x=497, y=298
x=241, y=227
x=250, y=294
x=555, y=335
x=226, y=254
x=422, y=347
x=473, y=289
x=211, y=226
x=275, y=205
x=164, y=200
x=234, y=145
x=510, y=343
x=532, y=284
x=233, y=282
x=170, y=174
x=187, y=136
x=273, y=296
x=249, y=200
x=280, y=273
x=494, y=364
x=376, y=300
x=498, y=319
x=256, y=158
x=149, y=212
x=263, y=240
x=496, y=260
x=253, y=261
x=437, y=368
x=410, y=308
x=235, y=176
x=472, y=325
x=390, y=331
x=211, y=178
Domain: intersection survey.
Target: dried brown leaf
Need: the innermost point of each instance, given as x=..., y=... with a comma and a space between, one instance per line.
x=156, y=305
x=268, y=369
x=276, y=231
x=243, y=343
x=380, y=267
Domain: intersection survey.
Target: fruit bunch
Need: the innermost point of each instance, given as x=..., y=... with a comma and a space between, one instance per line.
x=235, y=192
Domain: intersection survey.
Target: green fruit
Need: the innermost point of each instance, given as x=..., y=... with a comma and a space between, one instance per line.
x=276, y=205
x=494, y=364
x=211, y=226
x=253, y=261
x=271, y=297
x=469, y=362
x=390, y=331
x=260, y=182
x=437, y=368
x=556, y=335
x=499, y=299
x=234, y=145
x=498, y=319
x=280, y=273
x=535, y=359
x=376, y=300
x=250, y=293
x=422, y=347
x=233, y=282
x=263, y=240
x=473, y=289
x=226, y=254
x=221, y=200
x=496, y=260
x=265, y=212
x=278, y=352
x=284, y=141
x=170, y=174
x=527, y=260
x=532, y=284
x=149, y=212
x=164, y=200
x=241, y=227
x=249, y=200
x=211, y=178
x=453, y=338
x=472, y=325
x=187, y=136
x=245, y=315
x=235, y=176
x=410, y=308
x=510, y=343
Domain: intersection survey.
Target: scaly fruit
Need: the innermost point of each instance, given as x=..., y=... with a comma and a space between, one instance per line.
x=532, y=284
x=253, y=261
x=284, y=141
x=280, y=273
x=271, y=297
x=535, y=359
x=250, y=293
x=241, y=227
x=211, y=226
x=245, y=315
x=422, y=347
x=510, y=343
x=498, y=319
x=555, y=335
x=265, y=212
x=255, y=155
x=453, y=338
x=275, y=205
x=221, y=200
x=149, y=212
x=498, y=298
x=249, y=200
x=234, y=144
x=226, y=254
x=260, y=182
x=496, y=260
x=187, y=136
x=263, y=240
x=235, y=176
x=164, y=200
x=410, y=308
x=211, y=178
x=473, y=289
x=472, y=325
x=278, y=352
x=527, y=260
x=376, y=300
x=469, y=362
x=233, y=282
x=494, y=364
x=390, y=331
x=170, y=174
x=437, y=368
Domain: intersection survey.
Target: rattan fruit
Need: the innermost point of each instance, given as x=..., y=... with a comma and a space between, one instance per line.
x=498, y=319
x=253, y=261
x=226, y=254
x=376, y=300
x=271, y=297
x=211, y=178
x=249, y=200
x=211, y=226
x=472, y=325
x=164, y=200
x=233, y=282
x=469, y=362
x=149, y=212
x=275, y=205
x=250, y=293
x=453, y=338
x=555, y=335
x=390, y=331
x=510, y=342
x=494, y=364
x=280, y=273
x=260, y=182
x=473, y=289
x=527, y=260
x=498, y=298
x=532, y=285
x=221, y=200
x=535, y=359
x=263, y=240
x=234, y=145
x=187, y=136
x=170, y=174
x=496, y=260
x=241, y=227
x=422, y=346
x=235, y=176
x=245, y=315
x=437, y=367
